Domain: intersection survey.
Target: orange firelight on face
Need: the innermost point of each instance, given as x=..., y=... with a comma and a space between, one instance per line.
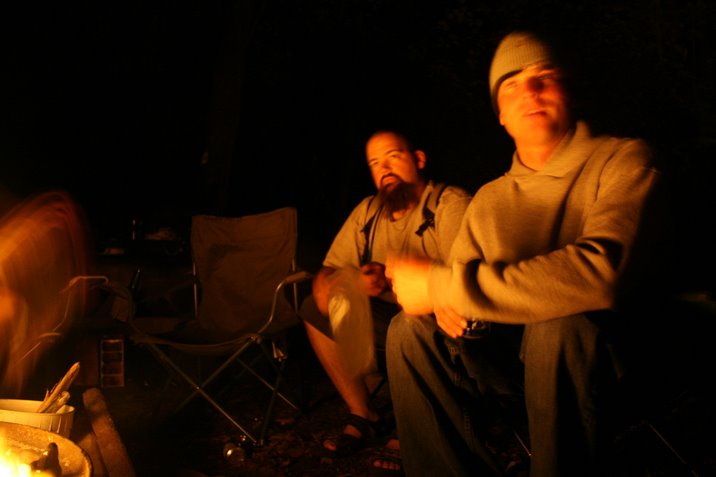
x=43, y=245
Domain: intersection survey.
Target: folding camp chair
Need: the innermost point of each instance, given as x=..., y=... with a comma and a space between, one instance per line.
x=245, y=292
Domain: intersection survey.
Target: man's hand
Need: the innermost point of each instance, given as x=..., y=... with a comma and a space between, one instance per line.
x=409, y=277
x=451, y=323
x=373, y=277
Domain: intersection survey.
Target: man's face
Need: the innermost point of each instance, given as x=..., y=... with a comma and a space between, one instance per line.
x=391, y=163
x=533, y=106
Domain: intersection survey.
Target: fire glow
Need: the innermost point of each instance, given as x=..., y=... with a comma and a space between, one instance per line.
x=43, y=245
x=19, y=461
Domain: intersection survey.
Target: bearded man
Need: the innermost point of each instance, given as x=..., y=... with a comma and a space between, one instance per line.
x=352, y=302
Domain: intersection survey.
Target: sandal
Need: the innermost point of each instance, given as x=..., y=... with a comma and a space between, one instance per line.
x=387, y=454
x=347, y=444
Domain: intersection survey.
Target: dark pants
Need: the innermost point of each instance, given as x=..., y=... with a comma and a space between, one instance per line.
x=441, y=390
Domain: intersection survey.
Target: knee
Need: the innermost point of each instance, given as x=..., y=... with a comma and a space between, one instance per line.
x=567, y=343
x=312, y=319
x=399, y=329
x=561, y=332
x=308, y=311
x=307, y=304
x=407, y=333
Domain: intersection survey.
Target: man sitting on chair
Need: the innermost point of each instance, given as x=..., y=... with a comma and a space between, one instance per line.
x=351, y=296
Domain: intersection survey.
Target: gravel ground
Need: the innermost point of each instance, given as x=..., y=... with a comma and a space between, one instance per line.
x=191, y=443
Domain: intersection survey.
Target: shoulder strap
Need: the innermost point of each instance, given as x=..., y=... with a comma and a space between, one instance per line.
x=374, y=208
x=429, y=208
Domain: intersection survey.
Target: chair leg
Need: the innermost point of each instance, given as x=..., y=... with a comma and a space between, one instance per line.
x=272, y=401
x=277, y=362
x=199, y=390
x=213, y=376
x=665, y=413
x=671, y=448
x=274, y=389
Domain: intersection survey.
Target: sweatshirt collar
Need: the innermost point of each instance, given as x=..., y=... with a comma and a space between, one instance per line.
x=570, y=153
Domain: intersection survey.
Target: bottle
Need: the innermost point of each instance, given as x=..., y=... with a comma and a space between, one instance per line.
x=236, y=454
x=136, y=233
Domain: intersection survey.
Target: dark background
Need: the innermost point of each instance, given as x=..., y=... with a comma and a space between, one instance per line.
x=157, y=110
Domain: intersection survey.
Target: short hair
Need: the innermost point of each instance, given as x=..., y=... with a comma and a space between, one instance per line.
x=407, y=140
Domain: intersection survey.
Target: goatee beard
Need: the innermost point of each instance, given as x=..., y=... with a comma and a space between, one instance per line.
x=402, y=196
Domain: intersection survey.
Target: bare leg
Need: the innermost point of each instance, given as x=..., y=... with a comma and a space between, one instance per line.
x=353, y=389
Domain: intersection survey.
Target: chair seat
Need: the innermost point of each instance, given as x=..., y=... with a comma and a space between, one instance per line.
x=193, y=336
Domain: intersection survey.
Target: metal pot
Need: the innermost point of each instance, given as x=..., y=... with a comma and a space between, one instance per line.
x=74, y=461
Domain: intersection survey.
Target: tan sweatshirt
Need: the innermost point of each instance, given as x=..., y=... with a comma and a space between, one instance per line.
x=537, y=245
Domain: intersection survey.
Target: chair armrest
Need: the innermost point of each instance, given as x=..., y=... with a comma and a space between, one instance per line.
x=293, y=279
x=297, y=277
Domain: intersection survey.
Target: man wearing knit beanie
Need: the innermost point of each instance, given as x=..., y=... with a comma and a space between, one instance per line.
x=516, y=52
x=555, y=244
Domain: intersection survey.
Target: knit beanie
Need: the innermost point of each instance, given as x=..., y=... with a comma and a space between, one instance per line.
x=516, y=51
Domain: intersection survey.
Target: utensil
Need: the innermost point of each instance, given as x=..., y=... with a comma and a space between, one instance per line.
x=59, y=390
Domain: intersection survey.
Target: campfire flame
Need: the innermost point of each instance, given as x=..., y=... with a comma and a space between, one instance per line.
x=16, y=461
x=43, y=244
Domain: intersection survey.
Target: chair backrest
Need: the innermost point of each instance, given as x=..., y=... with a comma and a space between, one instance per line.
x=239, y=262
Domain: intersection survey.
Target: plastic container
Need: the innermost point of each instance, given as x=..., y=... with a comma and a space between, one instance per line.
x=22, y=411
x=351, y=320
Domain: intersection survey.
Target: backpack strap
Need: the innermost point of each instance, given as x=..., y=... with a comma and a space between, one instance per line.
x=429, y=208
x=375, y=207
